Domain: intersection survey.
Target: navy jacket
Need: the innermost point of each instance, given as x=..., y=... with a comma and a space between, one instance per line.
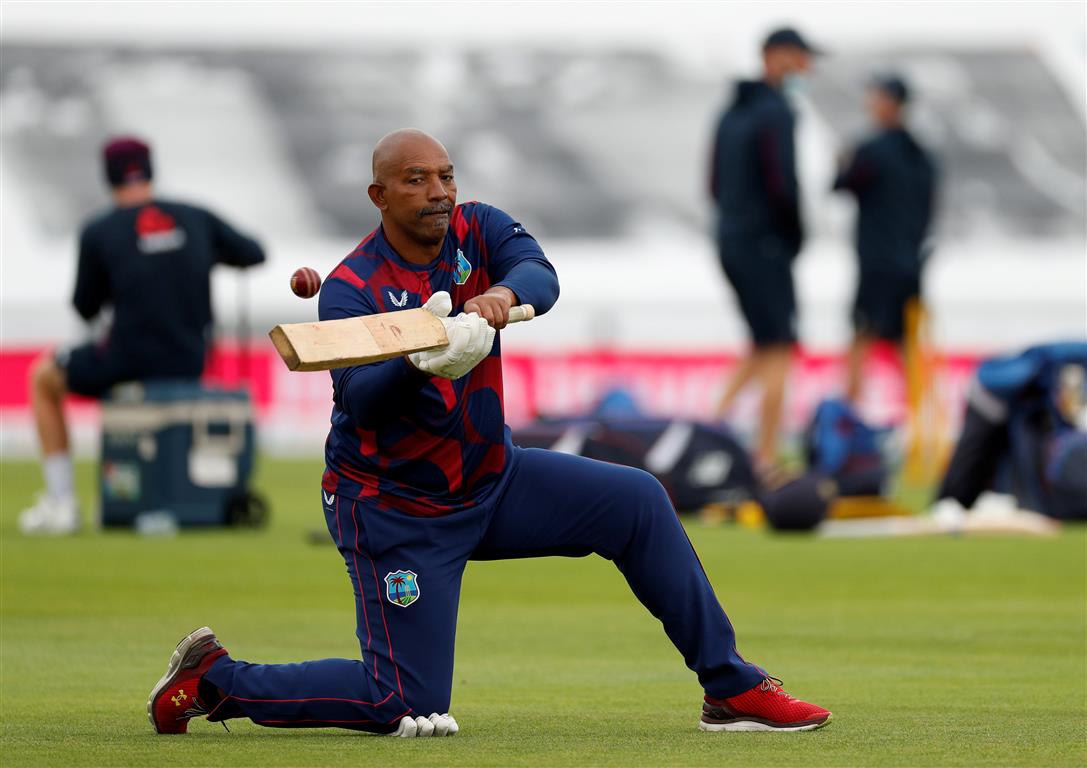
x=422, y=444
x=152, y=264
x=753, y=172
x=894, y=181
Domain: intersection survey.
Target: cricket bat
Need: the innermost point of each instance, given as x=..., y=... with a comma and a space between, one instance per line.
x=329, y=344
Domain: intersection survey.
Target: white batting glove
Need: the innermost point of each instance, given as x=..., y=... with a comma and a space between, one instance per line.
x=418, y=727
x=444, y=725
x=470, y=340
x=439, y=304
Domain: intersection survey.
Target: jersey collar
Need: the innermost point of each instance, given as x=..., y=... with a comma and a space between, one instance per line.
x=385, y=249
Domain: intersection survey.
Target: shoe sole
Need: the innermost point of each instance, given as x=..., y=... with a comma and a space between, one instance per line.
x=182, y=650
x=761, y=726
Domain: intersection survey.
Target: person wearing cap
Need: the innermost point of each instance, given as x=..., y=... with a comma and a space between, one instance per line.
x=893, y=178
x=759, y=229
x=149, y=260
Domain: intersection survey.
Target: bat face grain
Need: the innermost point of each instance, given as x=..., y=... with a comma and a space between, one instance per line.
x=332, y=344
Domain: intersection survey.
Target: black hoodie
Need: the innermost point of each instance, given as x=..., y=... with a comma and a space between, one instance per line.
x=894, y=180
x=753, y=173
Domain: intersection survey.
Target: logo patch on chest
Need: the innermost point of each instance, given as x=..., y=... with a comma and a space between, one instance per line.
x=403, y=300
x=402, y=588
x=157, y=232
x=463, y=269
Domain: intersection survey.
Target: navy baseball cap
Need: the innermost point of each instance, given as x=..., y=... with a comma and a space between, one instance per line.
x=892, y=85
x=787, y=36
x=127, y=159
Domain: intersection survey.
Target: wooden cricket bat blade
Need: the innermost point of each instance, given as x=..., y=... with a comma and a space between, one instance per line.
x=329, y=344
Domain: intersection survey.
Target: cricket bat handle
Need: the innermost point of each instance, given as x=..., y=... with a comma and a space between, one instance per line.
x=521, y=313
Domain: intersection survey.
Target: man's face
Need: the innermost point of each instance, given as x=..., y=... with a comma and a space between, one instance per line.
x=883, y=109
x=799, y=61
x=785, y=61
x=416, y=191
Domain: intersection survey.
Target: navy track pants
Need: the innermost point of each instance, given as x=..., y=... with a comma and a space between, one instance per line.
x=406, y=573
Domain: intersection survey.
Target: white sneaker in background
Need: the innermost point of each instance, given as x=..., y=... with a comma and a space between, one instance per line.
x=50, y=517
x=994, y=504
x=948, y=514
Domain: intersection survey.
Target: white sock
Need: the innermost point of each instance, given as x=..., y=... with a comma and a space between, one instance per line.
x=59, y=483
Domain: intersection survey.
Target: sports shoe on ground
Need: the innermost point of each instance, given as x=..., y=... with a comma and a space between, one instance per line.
x=175, y=698
x=766, y=707
x=50, y=517
x=948, y=515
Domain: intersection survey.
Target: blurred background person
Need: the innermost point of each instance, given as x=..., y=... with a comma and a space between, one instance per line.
x=150, y=261
x=894, y=180
x=759, y=229
x=1024, y=434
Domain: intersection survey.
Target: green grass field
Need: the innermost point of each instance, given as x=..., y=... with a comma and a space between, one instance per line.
x=930, y=652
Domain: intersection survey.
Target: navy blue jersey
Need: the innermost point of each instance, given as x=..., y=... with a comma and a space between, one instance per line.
x=1027, y=381
x=894, y=182
x=405, y=440
x=753, y=170
x=152, y=263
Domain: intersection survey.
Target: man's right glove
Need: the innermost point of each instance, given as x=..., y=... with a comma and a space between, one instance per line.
x=470, y=340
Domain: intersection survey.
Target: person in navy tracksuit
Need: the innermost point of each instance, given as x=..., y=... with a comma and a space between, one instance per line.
x=421, y=477
x=893, y=178
x=760, y=231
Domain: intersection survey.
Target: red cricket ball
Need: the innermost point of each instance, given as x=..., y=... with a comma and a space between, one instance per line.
x=305, y=282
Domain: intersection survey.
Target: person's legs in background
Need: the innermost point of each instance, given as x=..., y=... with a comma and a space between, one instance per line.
x=760, y=273
x=778, y=360
x=855, y=360
x=737, y=272
x=749, y=368
x=879, y=315
x=770, y=366
x=56, y=511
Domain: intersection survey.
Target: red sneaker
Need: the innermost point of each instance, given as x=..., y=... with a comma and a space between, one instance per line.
x=766, y=707
x=174, y=700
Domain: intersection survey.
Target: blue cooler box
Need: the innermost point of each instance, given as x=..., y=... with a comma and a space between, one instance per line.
x=177, y=447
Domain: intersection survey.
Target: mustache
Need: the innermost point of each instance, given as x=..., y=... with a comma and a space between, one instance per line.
x=446, y=208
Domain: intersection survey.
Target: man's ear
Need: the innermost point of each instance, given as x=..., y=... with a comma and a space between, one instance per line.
x=377, y=195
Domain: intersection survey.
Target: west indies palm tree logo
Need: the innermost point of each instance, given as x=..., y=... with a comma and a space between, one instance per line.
x=402, y=587
x=463, y=269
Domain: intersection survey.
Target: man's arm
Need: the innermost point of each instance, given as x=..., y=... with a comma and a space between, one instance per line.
x=857, y=172
x=777, y=157
x=930, y=192
x=232, y=247
x=368, y=394
x=517, y=265
x=92, y=281
x=715, y=159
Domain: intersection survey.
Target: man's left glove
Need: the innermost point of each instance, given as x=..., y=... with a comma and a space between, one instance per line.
x=470, y=340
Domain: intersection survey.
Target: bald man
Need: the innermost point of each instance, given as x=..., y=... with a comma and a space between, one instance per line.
x=421, y=477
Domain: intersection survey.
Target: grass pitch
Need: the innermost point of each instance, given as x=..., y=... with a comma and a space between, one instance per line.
x=929, y=652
